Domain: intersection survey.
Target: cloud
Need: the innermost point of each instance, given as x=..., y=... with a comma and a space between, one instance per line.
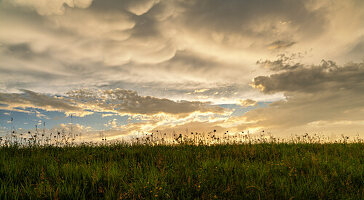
x=247, y=102
x=326, y=92
x=328, y=77
x=110, y=102
x=283, y=62
x=107, y=115
x=112, y=124
x=141, y=7
x=32, y=99
x=235, y=22
x=201, y=90
x=356, y=50
x=280, y=44
x=199, y=44
x=54, y=7
x=129, y=102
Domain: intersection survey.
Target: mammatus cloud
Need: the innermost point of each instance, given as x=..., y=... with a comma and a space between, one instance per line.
x=54, y=7
x=141, y=7
x=198, y=43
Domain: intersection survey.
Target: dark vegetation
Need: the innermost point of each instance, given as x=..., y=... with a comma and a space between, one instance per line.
x=250, y=170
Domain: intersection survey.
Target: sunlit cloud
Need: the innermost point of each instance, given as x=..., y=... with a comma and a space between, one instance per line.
x=247, y=102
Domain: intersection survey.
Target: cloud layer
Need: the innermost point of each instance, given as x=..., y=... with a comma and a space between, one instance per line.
x=129, y=102
x=118, y=101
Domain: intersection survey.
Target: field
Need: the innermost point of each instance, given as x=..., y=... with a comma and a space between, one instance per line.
x=225, y=171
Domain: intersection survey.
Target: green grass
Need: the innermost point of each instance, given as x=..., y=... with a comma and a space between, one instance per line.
x=245, y=171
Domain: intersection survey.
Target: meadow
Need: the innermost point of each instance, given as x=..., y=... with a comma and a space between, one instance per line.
x=250, y=170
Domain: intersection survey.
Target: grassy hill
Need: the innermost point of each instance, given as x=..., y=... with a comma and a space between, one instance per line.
x=244, y=171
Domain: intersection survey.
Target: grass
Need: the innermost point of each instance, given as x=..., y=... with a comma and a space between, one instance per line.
x=226, y=171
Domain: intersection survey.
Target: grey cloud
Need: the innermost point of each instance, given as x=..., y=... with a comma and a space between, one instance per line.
x=121, y=101
x=254, y=18
x=139, y=7
x=280, y=44
x=23, y=50
x=180, y=76
x=356, y=51
x=301, y=109
x=284, y=62
x=186, y=90
x=32, y=99
x=44, y=7
x=325, y=92
x=327, y=76
x=49, y=47
x=127, y=101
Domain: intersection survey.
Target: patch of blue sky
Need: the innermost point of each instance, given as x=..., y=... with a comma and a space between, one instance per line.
x=241, y=110
x=29, y=117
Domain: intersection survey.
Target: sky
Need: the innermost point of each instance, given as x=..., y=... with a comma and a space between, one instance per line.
x=123, y=67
